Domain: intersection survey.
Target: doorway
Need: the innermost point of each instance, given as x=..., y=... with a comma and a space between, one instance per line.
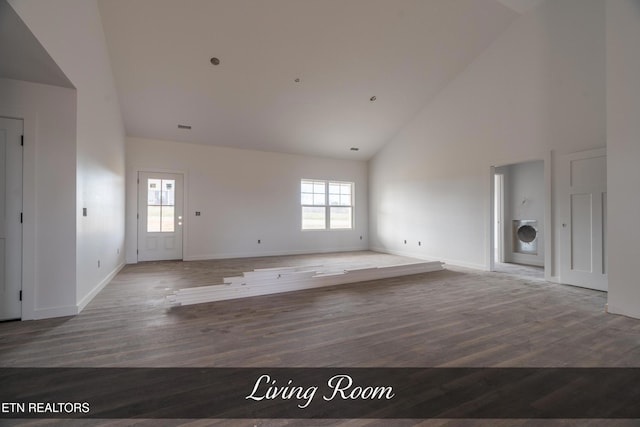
x=498, y=217
x=160, y=216
x=519, y=219
x=10, y=218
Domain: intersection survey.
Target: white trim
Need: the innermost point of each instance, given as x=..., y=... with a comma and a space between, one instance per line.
x=563, y=234
x=131, y=209
x=229, y=255
x=463, y=264
x=135, y=173
x=490, y=228
x=327, y=206
x=498, y=178
x=47, y=313
x=548, y=234
x=87, y=299
x=623, y=311
x=287, y=279
x=548, y=216
x=457, y=263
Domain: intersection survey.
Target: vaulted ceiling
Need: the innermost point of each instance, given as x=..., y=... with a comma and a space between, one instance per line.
x=22, y=55
x=294, y=76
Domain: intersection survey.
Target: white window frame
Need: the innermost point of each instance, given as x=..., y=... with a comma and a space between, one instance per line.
x=326, y=205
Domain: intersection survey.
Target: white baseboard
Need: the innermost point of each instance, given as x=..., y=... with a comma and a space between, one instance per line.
x=453, y=262
x=91, y=295
x=402, y=253
x=47, y=313
x=229, y=255
x=624, y=311
x=464, y=264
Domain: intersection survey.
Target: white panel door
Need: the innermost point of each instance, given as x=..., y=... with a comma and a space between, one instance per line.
x=160, y=216
x=10, y=218
x=584, y=219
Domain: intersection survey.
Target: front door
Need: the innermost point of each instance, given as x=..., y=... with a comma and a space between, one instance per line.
x=160, y=216
x=584, y=219
x=10, y=218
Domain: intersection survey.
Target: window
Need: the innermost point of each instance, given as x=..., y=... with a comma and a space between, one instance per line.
x=326, y=205
x=160, y=205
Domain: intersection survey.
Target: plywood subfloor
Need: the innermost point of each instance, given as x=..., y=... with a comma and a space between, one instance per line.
x=455, y=317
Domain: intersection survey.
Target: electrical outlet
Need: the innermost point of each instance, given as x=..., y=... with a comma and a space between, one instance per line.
x=405, y=242
x=360, y=237
x=259, y=241
x=419, y=243
x=98, y=263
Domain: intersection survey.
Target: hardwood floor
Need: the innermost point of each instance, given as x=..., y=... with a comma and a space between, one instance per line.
x=456, y=317
x=520, y=270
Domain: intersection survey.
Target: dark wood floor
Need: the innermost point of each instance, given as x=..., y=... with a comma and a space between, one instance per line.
x=456, y=317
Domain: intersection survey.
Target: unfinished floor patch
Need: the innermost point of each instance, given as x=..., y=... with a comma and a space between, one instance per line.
x=285, y=279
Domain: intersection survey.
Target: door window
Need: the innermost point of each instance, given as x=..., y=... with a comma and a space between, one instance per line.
x=161, y=205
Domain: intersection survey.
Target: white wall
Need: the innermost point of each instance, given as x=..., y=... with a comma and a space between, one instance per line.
x=71, y=32
x=623, y=154
x=539, y=87
x=524, y=199
x=243, y=196
x=49, y=249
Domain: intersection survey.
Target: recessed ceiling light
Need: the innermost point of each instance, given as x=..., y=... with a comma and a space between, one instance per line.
x=215, y=61
x=184, y=127
x=373, y=98
x=354, y=148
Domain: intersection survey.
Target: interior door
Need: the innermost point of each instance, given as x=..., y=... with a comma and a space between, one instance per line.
x=10, y=218
x=498, y=210
x=160, y=216
x=584, y=219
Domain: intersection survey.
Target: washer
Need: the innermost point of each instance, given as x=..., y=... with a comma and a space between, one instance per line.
x=525, y=236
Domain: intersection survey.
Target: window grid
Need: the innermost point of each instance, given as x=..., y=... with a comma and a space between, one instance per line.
x=160, y=205
x=326, y=205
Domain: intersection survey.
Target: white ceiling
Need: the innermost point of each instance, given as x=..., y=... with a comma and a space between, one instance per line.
x=343, y=51
x=521, y=6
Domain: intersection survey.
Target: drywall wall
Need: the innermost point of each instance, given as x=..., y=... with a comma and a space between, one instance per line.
x=71, y=32
x=540, y=87
x=49, y=249
x=623, y=155
x=524, y=200
x=245, y=196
